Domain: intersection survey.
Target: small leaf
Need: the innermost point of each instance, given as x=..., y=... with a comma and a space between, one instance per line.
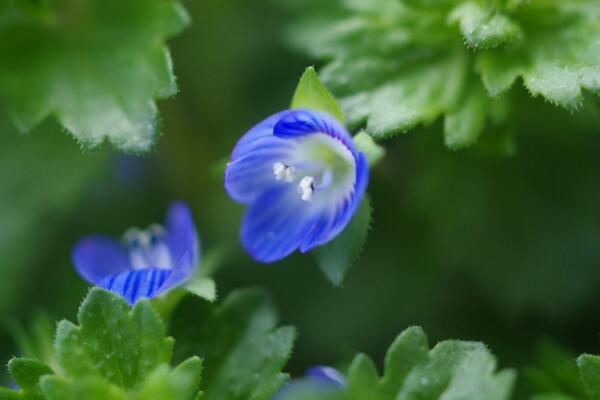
x=88, y=388
x=27, y=374
x=484, y=28
x=336, y=257
x=464, y=125
x=312, y=94
x=589, y=370
x=179, y=384
x=203, y=287
x=242, y=349
x=112, y=342
x=365, y=143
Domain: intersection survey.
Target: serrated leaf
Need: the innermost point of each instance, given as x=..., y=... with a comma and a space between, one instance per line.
x=452, y=370
x=112, y=342
x=589, y=370
x=312, y=94
x=97, y=66
x=242, y=349
x=336, y=257
x=484, y=28
x=395, y=65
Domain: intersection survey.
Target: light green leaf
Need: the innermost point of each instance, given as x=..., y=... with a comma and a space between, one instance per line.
x=112, y=342
x=465, y=124
x=484, y=28
x=365, y=143
x=88, y=388
x=589, y=369
x=203, y=287
x=27, y=373
x=97, y=66
x=395, y=65
x=336, y=257
x=179, y=384
x=453, y=370
x=242, y=349
x=312, y=94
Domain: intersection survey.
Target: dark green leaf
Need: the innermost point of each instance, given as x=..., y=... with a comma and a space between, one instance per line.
x=336, y=257
x=242, y=348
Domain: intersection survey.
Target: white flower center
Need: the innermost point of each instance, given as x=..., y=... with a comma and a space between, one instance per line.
x=147, y=249
x=324, y=165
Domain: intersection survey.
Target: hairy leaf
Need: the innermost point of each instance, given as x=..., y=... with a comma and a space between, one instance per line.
x=97, y=66
x=396, y=64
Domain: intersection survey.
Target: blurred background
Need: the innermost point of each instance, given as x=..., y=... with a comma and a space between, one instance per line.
x=468, y=244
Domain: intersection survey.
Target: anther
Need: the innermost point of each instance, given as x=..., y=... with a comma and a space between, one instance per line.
x=306, y=188
x=284, y=172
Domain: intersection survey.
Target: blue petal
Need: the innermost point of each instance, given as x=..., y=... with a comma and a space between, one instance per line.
x=133, y=285
x=276, y=223
x=263, y=128
x=97, y=257
x=182, y=241
x=332, y=223
x=251, y=173
x=326, y=375
x=305, y=122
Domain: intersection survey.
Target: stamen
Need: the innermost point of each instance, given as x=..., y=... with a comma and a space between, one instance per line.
x=147, y=249
x=284, y=172
x=306, y=188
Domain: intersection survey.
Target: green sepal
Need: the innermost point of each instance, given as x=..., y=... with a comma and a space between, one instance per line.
x=312, y=94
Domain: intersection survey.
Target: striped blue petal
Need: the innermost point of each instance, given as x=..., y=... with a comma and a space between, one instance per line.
x=133, y=285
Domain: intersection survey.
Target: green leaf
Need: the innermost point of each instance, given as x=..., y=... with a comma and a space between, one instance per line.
x=118, y=344
x=36, y=342
x=27, y=373
x=451, y=370
x=97, y=66
x=336, y=257
x=179, y=384
x=395, y=65
x=589, y=369
x=88, y=388
x=312, y=94
x=203, y=287
x=465, y=124
x=242, y=349
x=365, y=143
x=484, y=28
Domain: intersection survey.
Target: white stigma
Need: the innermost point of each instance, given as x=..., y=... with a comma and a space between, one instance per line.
x=284, y=172
x=306, y=188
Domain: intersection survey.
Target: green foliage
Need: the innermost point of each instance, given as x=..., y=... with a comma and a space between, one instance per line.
x=119, y=345
x=114, y=353
x=97, y=66
x=396, y=64
x=589, y=369
x=242, y=348
x=365, y=143
x=336, y=257
x=310, y=93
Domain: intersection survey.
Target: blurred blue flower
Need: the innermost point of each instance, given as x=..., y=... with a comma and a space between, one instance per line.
x=318, y=380
x=145, y=263
x=302, y=179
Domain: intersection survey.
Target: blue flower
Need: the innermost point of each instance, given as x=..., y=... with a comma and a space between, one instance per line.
x=145, y=263
x=317, y=381
x=302, y=179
